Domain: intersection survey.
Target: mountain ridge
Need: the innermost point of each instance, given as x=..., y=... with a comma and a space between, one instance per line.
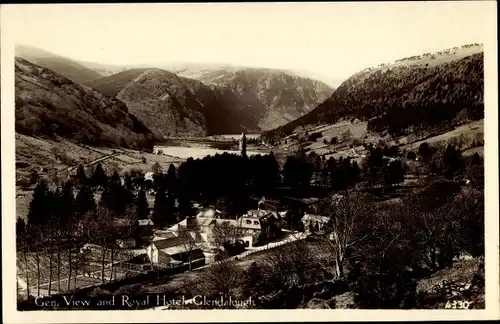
x=283, y=95
x=277, y=96
x=69, y=68
x=170, y=104
x=49, y=104
x=409, y=94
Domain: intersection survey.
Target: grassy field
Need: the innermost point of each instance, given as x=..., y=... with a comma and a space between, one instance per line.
x=350, y=146
x=469, y=131
x=36, y=154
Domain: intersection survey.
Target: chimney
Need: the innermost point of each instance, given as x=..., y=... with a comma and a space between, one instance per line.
x=261, y=203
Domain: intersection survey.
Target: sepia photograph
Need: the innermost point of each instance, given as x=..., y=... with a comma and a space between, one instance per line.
x=250, y=156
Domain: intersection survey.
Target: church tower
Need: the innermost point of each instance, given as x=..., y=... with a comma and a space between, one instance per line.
x=243, y=144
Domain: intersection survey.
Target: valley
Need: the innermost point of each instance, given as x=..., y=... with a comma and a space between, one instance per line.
x=150, y=164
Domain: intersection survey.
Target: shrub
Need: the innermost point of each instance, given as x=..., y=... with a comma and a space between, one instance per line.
x=386, y=291
x=157, y=169
x=34, y=177
x=411, y=155
x=334, y=140
x=356, y=142
x=98, y=292
x=65, y=159
x=24, y=183
x=346, y=135
x=425, y=151
x=314, y=136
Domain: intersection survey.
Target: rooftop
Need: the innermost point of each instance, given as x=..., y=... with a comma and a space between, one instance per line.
x=317, y=218
x=145, y=222
x=162, y=244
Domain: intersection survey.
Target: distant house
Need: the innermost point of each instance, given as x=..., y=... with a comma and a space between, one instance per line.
x=314, y=223
x=127, y=243
x=209, y=213
x=122, y=222
x=201, y=228
x=259, y=226
x=149, y=176
x=145, y=222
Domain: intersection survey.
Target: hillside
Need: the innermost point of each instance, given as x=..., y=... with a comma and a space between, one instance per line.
x=69, y=68
x=171, y=105
x=249, y=99
x=49, y=104
x=274, y=97
x=411, y=95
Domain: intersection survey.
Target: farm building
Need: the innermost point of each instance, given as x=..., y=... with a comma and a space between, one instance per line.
x=259, y=225
x=172, y=251
x=314, y=223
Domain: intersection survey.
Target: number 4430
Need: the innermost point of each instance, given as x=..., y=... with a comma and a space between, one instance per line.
x=458, y=304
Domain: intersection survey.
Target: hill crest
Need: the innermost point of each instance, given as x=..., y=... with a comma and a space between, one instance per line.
x=410, y=94
x=49, y=104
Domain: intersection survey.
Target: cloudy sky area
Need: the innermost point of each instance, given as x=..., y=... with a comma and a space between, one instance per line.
x=332, y=40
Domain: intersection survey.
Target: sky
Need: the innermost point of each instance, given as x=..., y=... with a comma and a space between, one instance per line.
x=332, y=40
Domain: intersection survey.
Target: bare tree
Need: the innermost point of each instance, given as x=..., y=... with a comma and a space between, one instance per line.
x=346, y=136
x=225, y=233
x=224, y=278
x=36, y=245
x=100, y=231
x=188, y=237
x=23, y=246
x=55, y=177
x=58, y=255
x=49, y=250
x=347, y=227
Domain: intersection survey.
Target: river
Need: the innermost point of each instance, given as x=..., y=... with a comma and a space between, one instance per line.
x=233, y=136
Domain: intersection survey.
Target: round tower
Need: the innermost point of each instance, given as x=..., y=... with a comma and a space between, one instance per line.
x=243, y=144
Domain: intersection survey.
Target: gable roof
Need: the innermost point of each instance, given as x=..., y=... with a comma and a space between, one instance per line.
x=176, y=250
x=317, y=218
x=161, y=235
x=167, y=243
